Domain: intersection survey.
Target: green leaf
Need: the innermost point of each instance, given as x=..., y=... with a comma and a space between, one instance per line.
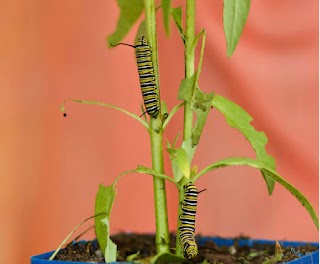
x=186, y=88
x=189, y=149
x=104, y=201
x=235, y=13
x=130, y=11
x=239, y=119
x=168, y=258
x=141, y=31
x=175, y=140
x=201, y=105
x=180, y=163
x=166, y=4
x=176, y=15
x=270, y=172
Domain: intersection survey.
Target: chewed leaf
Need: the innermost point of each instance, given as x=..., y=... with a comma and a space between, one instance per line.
x=180, y=163
x=239, y=119
x=235, y=15
x=167, y=258
x=270, y=172
x=166, y=4
x=104, y=201
x=186, y=88
x=130, y=11
x=110, y=255
x=176, y=15
x=189, y=149
x=201, y=105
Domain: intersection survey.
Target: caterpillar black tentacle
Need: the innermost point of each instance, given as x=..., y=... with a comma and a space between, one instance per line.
x=187, y=222
x=146, y=75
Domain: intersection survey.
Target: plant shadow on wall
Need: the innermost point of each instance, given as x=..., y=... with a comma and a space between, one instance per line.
x=196, y=105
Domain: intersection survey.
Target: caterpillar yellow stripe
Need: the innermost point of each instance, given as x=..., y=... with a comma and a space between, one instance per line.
x=146, y=76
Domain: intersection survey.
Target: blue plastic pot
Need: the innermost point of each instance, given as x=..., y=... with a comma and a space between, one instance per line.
x=306, y=259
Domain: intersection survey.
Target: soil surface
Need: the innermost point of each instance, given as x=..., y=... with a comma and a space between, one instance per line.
x=129, y=244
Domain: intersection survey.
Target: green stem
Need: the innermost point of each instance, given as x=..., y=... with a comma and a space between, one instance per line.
x=189, y=63
x=188, y=114
x=160, y=200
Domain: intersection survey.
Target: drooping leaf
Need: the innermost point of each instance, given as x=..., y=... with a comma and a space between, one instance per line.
x=145, y=124
x=277, y=255
x=104, y=201
x=130, y=11
x=70, y=234
x=180, y=163
x=132, y=258
x=201, y=105
x=166, y=7
x=176, y=15
x=270, y=172
x=239, y=119
x=235, y=13
x=148, y=171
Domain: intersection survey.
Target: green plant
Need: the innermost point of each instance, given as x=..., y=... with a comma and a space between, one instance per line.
x=196, y=105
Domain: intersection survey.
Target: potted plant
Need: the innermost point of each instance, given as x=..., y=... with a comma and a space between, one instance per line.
x=155, y=118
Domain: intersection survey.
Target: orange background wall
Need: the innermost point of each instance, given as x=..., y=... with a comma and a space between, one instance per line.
x=51, y=166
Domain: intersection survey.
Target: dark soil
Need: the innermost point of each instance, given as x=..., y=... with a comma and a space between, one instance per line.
x=129, y=244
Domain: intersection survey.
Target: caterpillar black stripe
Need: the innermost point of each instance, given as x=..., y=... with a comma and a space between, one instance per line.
x=187, y=222
x=146, y=76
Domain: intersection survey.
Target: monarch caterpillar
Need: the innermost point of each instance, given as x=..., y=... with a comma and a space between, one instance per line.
x=146, y=75
x=187, y=219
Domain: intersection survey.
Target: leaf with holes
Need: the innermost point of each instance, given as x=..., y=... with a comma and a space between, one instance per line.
x=239, y=119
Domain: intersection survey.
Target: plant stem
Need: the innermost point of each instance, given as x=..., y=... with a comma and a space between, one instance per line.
x=188, y=114
x=189, y=63
x=160, y=200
